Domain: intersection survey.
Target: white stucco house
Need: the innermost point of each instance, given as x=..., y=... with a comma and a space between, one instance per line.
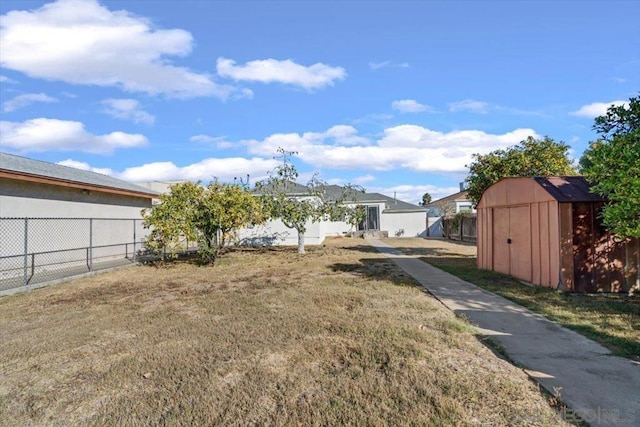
x=384, y=215
x=450, y=205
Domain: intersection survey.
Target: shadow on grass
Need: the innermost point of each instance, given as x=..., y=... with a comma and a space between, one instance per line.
x=194, y=258
x=377, y=269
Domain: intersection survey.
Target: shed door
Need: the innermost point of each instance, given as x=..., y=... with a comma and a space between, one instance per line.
x=512, y=241
x=500, y=236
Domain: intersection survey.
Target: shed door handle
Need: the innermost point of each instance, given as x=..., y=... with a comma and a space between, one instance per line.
x=508, y=241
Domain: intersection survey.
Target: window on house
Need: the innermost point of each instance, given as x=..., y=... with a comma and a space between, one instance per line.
x=371, y=220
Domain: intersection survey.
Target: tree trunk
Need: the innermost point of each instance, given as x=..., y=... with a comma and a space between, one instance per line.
x=301, y=242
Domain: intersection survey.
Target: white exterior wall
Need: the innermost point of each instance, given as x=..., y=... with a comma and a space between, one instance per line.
x=401, y=224
x=275, y=233
x=337, y=228
x=404, y=224
x=464, y=205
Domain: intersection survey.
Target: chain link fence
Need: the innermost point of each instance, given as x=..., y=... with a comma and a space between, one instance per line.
x=39, y=250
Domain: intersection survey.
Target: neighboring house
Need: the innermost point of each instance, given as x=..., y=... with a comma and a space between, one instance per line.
x=33, y=188
x=446, y=206
x=384, y=215
x=548, y=231
x=57, y=221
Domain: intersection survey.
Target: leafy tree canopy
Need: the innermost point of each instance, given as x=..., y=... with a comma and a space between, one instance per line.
x=208, y=215
x=531, y=157
x=172, y=220
x=426, y=199
x=283, y=199
x=612, y=163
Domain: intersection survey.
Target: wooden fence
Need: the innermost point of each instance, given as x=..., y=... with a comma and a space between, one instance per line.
x=463, y=229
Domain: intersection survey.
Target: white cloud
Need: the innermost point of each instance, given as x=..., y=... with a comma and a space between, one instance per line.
x=410, y=106
x=25, y=100
x=128, y=109
x=85, y=167
x=596, y=109
x=219, y=141
x=341, y=135
x=469, y=105
x=51, y=134
x=315, y=76
x=243, y=93
x=406, y=146
x=375, y=118
x=5, y=79
x=83, y=42
x=413, y=193
x=225, y=169
x=203, y=138
x=360, y=180
x=377, y=65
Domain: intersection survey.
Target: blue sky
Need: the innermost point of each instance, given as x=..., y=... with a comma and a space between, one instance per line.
x=394, y=96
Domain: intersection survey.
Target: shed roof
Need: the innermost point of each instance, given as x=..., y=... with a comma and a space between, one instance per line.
x=18, y=167
x=569, y=188
x=523, y=190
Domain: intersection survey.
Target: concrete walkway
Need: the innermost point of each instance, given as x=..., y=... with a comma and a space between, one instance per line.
x=602, y=389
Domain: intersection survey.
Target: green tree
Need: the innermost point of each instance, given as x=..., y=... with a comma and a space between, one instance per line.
x=295, y=207
x=426, y=199
x=208, y=215
x=531, y=157
x=612, y=164
x=223, y=209
x=172, y=219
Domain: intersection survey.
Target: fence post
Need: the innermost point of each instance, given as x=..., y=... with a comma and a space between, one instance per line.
x=90, y=244
x=26, y=249
x=134, y=240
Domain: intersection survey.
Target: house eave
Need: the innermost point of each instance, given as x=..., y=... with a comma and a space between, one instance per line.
x=23, y=176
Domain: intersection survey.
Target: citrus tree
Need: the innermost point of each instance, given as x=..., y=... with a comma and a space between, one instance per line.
x=223, y=209
x=172, y=219
x=208, y=215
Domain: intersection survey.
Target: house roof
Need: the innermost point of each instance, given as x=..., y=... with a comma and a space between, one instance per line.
x=569, y=188
x=391, y=204
x=461, y=195
x=22, y=168
x=334, y=192
x=291, y=188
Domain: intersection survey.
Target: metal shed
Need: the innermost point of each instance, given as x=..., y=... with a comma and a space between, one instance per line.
x=547, y=231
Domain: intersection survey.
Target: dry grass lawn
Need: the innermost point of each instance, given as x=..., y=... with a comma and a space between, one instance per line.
x=335, y=337
x=612, y=320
